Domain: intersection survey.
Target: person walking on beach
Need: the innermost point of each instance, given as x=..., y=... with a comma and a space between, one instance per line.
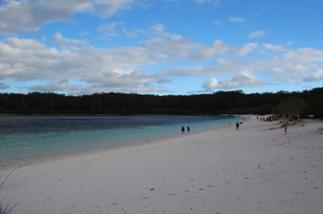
x=237, y=125
x=285, y=126
x=188, y=129
x=183, y=129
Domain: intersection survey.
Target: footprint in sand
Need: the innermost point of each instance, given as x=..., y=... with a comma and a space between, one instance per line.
x=144, y=198
x=124, y=210
x=298, y=193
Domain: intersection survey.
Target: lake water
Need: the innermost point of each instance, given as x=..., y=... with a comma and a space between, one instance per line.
x=26, y=138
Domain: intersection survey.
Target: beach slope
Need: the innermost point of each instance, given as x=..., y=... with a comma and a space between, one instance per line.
x=255, y=170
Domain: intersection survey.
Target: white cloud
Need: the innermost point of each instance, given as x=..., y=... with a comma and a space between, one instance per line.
x=115, y=69
x=158, y=28
x=217, y=48
x=247, y=48
x=281, y=65
x=110, y=7
x=214, y=2
x=296, y=65
x=109, y=27
x=257, y=34
x=33, y=14
x=169, y=46
x=189, y=71
x=110, y=30
x=273, y=47
x=128, y=69
x=316, y=76
x=242, y=79
x=64, y=42
x=292, y=66
x=134, y=33
x=95, y=69
x=237, y=19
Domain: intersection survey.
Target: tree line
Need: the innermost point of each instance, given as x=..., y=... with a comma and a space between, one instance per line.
x=231, y=102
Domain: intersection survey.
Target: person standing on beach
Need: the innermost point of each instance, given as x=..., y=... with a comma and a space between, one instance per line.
x=188, y=129
x=285, y=126
x=237, y=125
x=183, y=129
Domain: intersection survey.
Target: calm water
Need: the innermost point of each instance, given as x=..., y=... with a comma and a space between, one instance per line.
x=25, y=138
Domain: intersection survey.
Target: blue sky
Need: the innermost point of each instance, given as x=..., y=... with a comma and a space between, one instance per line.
x=160, y=46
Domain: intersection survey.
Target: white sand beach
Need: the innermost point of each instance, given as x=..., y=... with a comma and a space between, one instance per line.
x=255, y=170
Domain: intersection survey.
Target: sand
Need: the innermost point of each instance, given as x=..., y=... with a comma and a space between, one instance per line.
x=257, y=169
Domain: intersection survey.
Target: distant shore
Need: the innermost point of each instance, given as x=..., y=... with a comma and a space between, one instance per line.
x=257, y=169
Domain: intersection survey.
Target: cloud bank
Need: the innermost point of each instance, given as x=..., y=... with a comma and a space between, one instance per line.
x=75, y=67
x=35, y=13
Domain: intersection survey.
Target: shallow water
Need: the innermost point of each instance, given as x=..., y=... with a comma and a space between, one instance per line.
x=26, y=138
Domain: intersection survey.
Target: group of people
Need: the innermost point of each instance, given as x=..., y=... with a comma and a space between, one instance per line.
x=188, y=129
x=270, y=119
x=266, y=119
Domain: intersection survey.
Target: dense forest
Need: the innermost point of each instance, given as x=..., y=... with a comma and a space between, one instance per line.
x=232, y=102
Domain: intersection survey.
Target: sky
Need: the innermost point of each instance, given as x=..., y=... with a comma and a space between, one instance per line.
x=160, y=46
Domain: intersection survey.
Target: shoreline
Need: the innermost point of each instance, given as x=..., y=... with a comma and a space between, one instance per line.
x=121, y=146
x=107, y=148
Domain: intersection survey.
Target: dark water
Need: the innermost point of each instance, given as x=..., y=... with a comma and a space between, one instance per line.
x=26, y=138
x=36, y=124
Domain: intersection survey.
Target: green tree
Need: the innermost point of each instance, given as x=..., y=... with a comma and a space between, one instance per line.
x=290, y=107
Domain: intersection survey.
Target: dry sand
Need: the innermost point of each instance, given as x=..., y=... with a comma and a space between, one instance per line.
x=254, y=170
